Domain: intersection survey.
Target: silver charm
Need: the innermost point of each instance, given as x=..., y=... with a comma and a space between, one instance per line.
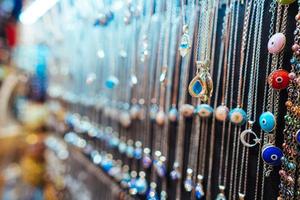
x=244, y=134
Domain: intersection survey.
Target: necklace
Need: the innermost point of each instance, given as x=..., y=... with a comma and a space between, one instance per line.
x=185, y=41
x=288, y=173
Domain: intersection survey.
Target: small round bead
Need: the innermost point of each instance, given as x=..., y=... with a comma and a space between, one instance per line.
x=292, y=75
x=297, y=17
x=282, y=173
x=288, y=103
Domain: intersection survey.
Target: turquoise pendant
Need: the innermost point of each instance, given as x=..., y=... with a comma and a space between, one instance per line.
x=238, y=116
x=267, y=122
x=204, y=110
x=185, y=42
x=201, y=85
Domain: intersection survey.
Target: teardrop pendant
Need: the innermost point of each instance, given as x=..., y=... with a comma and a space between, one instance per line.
x=185, y=42
x=201, y=85
x=199, y=192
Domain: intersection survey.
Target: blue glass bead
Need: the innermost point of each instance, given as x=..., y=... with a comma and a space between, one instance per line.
x=174, y=174
x=267, y=121
x=204, y=110
x=297, y=67
x=293, y=61
x=297, y=136
x=197, y=87
x=130, y=151
x=238, y=116
x=291, y=166
x=199, y=192
x=111, y=82
x=141, y=185
x=138, y=152
x=160, y=168
x=188, y=185
x=114, y=142
x=152, y=195
x=147, y=161
x=122, y=147
x=272, y=155
x=106, y=165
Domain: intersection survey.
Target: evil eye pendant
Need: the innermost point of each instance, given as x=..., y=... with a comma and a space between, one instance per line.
x=185, y=42
x=279, y=79
x=297, y=136
x=238, y=116
x=187, y=110
x=152, y=195
x=285, y=2
x=276, y=43
x=188, y=182
x=272, y=155
x=175, y=173
x=146, y=161
x=141, y=183
x=199, y=192
x=173, y=114
x=267, y=121
x=204, y=110
x=221, y=113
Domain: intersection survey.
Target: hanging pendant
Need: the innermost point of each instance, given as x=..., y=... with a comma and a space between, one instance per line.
x=132, y=183
x=204, y=110
x=122, y=147
x=188, y=182
x=175, y=173
x=297, y=137
x=159, y=164
x=147, y=161
x=246, y=132
x=173, y=114
x=141, y=183
x=199, y=192
x=276, y=43
x=221, y=113
x=267, y=122
x=163, y=195
x=187, y=110
x=152, y=195
x=138, y=151
x=125, y=177
x=135, y=111
x=130, y=149
x=221, y=195
x=238, y=116
x=279, y=79
x=125, y=119
x=153, y=111
x=271, y=155
x=160, y=118
x=185, y=42
x=201, y=85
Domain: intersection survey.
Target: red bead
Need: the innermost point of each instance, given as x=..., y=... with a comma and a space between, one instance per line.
x=279, y=79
